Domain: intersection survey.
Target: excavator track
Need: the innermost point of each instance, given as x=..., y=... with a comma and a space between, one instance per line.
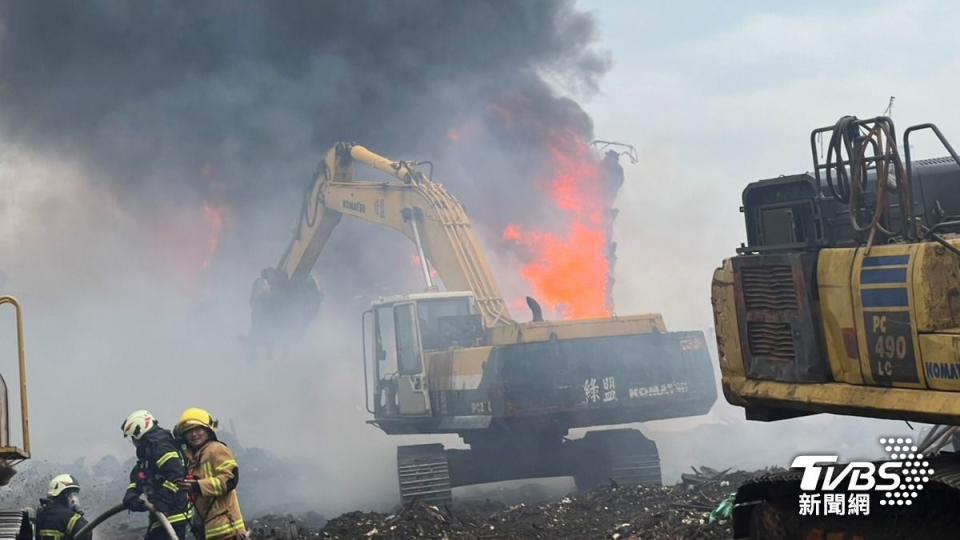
x=424, y=473
x=15, y=525
x=636, y=468
x=767, y=508
x=624, y=456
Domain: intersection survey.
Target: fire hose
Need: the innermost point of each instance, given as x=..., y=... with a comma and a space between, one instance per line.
x=162, y=519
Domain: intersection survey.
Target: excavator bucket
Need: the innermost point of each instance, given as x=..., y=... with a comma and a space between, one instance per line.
x=282, y=309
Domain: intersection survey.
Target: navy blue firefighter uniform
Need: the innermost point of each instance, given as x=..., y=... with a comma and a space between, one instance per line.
x=159, y=467
x=57, y=521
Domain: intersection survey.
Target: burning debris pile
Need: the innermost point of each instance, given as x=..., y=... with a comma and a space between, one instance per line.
x=582, y=188
x=617, y=512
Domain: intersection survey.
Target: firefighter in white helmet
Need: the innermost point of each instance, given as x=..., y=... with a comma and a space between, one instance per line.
x=159, y=467
x=59, y=516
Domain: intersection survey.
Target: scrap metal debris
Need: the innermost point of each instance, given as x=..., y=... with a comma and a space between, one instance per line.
x=615, y=512
x=680, y=511
x=704, y=475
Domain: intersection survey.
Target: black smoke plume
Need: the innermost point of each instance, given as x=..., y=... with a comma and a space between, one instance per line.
x=122, y=123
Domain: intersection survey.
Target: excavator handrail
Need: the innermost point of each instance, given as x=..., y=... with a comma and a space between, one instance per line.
x=18, y=453
x=909, y=165
x=870, y=145
x=363, y=357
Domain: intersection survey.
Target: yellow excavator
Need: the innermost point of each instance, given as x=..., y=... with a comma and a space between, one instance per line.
x=453, y=360
x=845, y=299
x=14, y=524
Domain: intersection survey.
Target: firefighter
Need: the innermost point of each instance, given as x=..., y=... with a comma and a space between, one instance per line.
x=59, y=516
x=159, y=467
x=212, y=476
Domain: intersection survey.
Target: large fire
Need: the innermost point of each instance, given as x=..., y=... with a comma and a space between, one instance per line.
x=569, y=272
x=214, y=216
x=189, y=236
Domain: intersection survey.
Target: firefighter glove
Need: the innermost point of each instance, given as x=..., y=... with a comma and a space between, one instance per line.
x=132, y=502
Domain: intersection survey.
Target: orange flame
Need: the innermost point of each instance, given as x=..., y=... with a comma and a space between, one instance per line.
x=569, y=273
x=214, y=216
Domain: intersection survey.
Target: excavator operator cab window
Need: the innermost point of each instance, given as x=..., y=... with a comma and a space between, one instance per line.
x=449, y=322
x=385, y=345
x=408, y=342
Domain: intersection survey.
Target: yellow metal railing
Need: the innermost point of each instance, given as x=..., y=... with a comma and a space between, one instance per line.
x=12, y=452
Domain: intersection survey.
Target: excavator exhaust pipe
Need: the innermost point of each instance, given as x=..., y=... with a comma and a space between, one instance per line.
x=535, y=309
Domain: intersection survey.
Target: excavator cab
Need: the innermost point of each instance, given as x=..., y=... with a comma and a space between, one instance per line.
x=398, y=330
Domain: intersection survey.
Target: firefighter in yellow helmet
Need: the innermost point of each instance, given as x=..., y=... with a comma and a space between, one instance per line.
x=212, y=475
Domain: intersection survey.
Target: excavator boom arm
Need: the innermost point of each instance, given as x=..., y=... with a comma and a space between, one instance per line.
x=316, y=223
x=412, y=204
x=445, y=235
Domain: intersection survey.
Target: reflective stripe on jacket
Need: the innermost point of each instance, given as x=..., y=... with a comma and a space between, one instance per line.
x=217, y=508
x=57, y=522
x=159, y=466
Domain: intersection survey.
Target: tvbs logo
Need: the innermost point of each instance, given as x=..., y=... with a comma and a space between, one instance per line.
x=900, y=479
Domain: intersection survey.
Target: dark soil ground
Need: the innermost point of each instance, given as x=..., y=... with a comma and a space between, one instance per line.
x=610, y=511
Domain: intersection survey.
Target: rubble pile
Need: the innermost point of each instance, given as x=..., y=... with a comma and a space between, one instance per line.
x=417, y=520
x=285, y=527
x=697, y=508
x=610, y=511
x=269, y=482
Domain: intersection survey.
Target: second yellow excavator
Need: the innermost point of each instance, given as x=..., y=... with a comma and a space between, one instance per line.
x=454, y=361
x=846, y=299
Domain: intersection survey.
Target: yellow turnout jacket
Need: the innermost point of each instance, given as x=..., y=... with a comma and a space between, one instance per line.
x=217, y=508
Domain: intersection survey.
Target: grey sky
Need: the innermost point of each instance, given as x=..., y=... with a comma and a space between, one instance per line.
x=717, y=96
